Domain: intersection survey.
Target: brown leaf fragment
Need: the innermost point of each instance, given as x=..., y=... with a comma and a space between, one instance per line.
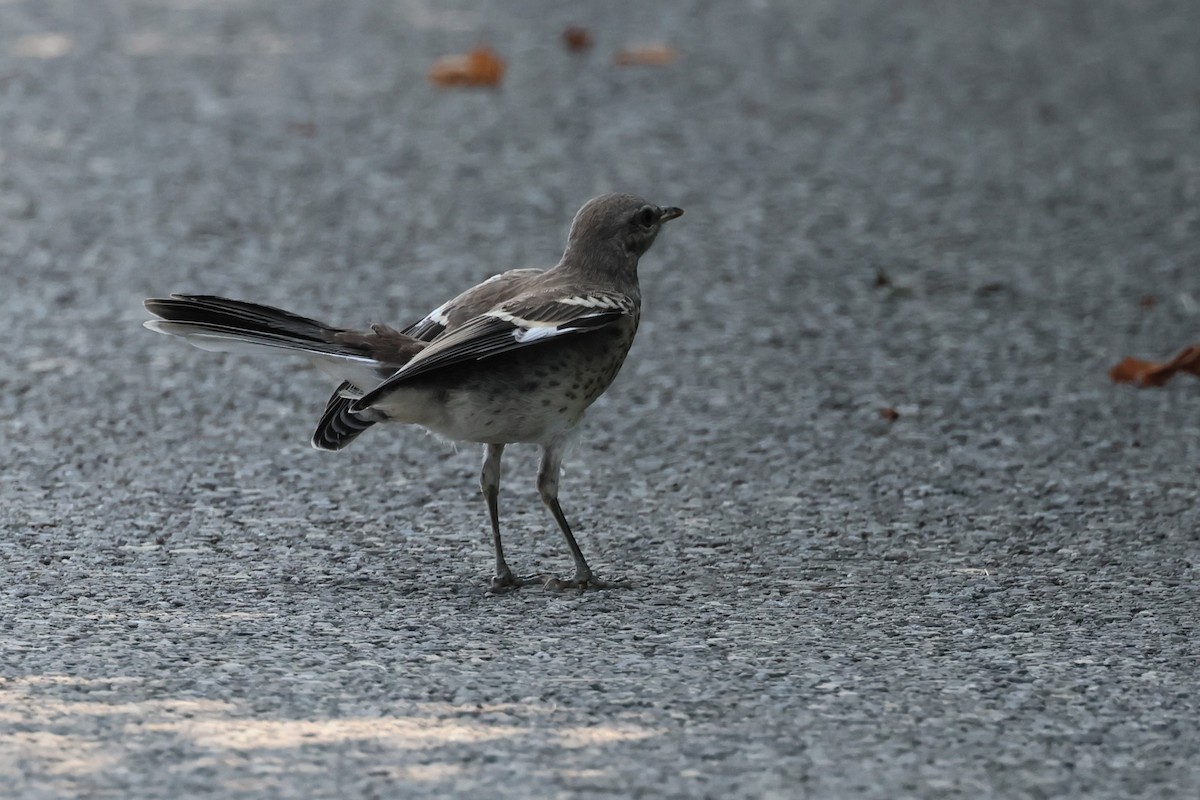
x=576, y=39
x=480, y=67
x=647, y=55
x=1147, y=301
x=1130, y=370
x=889, y=413
x=1148, y=373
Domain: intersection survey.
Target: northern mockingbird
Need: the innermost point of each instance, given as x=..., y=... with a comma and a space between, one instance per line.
x=518, y=358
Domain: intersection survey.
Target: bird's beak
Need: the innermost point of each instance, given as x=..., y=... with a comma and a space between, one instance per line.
x=669, y=213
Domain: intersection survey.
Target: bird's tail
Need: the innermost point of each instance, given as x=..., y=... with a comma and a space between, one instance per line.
x=222, y=325
x=339, y=426
x=232, y=326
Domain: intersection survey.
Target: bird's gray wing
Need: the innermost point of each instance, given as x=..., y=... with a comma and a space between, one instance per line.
x=471, y=303
x=521, y=322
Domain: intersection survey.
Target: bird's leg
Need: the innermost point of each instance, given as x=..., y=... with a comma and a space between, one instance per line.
x=548, y=488
x=489, y=481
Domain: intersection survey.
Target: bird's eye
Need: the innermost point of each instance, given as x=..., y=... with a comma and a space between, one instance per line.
x=646, y=216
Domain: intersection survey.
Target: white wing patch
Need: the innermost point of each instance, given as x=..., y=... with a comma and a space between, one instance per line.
x=525, y=335
x=438, y=315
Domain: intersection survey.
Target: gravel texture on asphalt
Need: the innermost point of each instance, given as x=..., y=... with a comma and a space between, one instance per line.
x=965, y=212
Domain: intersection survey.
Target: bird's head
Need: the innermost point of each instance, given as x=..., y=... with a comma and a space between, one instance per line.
x=619, y=220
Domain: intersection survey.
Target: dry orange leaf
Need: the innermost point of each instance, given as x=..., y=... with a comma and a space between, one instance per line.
x=480, y=67
x=647, y=55
x=577, y=39
x=1149, y=373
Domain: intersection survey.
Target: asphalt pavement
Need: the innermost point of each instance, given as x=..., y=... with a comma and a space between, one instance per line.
x=891, y=529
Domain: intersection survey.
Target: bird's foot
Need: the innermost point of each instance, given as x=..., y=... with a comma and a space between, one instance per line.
x=582, y=582
x=506, y=581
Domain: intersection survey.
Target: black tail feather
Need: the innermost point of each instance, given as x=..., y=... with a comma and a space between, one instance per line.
x=339, y=426
x=239, y=316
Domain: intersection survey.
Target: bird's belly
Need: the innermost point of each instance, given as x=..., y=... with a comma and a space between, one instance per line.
x=515, y=397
